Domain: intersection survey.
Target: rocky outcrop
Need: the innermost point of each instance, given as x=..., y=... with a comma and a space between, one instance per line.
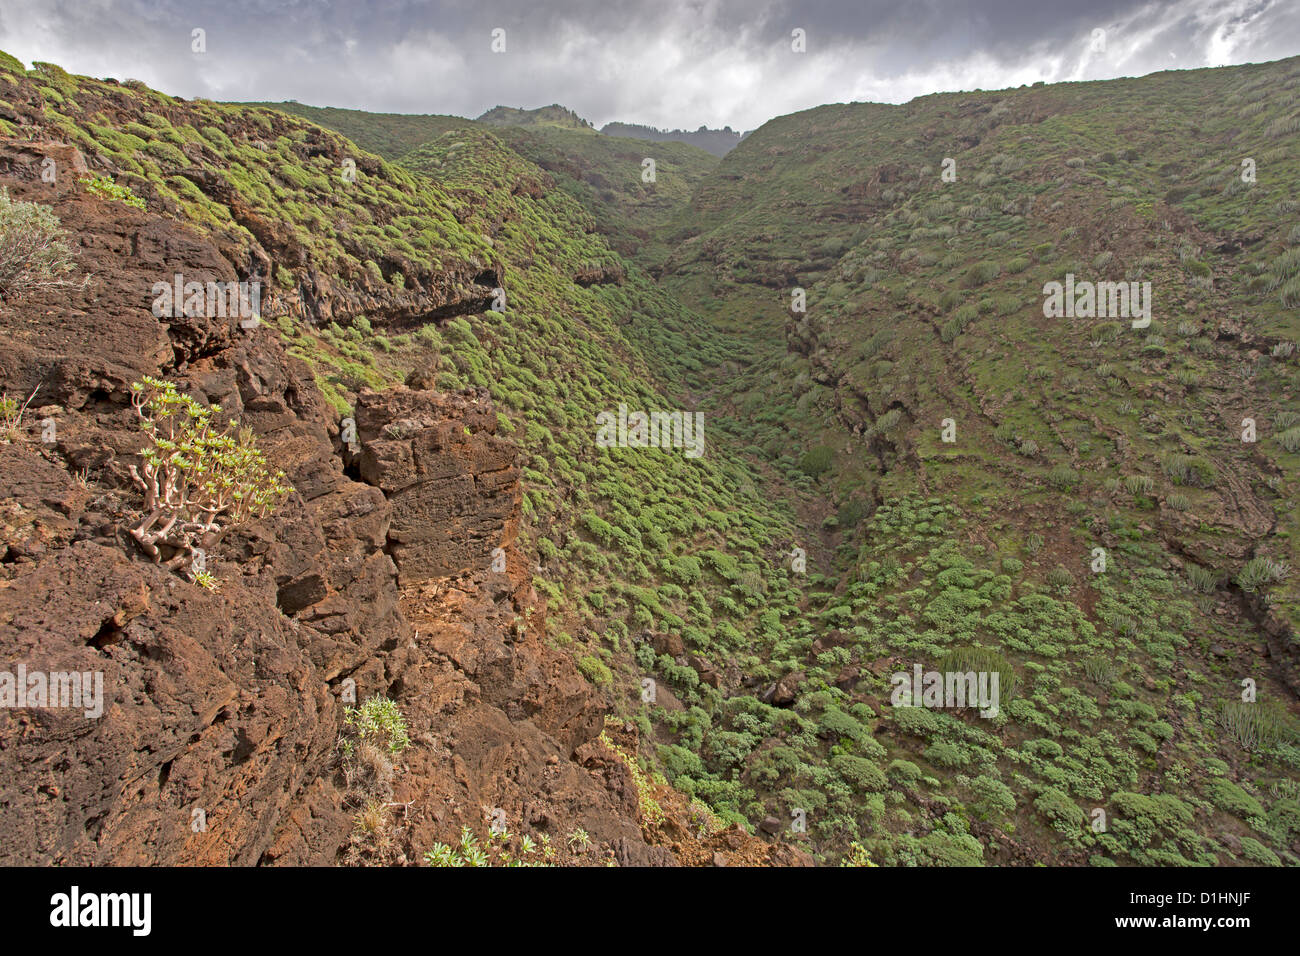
x=451, y=480
x=600, y=273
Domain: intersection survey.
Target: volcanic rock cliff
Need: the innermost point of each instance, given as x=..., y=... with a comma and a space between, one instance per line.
x=223, y=708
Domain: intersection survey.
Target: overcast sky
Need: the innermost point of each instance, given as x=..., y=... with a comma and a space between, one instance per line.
x=668, y=63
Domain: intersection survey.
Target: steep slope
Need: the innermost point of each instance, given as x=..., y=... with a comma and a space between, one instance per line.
x=225, y=736
x=925, y=322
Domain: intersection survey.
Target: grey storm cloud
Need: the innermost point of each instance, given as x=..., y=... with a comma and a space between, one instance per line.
x=678, y=63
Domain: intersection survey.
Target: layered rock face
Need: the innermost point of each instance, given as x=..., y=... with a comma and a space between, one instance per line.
x=452, y=482
x=503, y=724
x=222, y=708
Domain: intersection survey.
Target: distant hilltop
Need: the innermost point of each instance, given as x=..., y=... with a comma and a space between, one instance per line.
x=719, y=142
x=553, y=115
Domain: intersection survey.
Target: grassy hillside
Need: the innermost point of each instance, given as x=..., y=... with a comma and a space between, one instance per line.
x=925, y=309
x=390, y=135
x=605, y=174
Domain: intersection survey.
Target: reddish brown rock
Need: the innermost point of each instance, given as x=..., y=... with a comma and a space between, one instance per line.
x=452, y=482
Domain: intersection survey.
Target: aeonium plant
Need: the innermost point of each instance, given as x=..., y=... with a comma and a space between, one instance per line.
x=198, y=479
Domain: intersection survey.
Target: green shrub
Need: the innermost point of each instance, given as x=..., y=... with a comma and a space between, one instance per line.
x=1260, y=571
x=500, y=850
x=194, y=475
x=1139, y=484
x=379, y=721
x=981, y=273
x=957, y=323
x=982, y=660
x=1256, y=852
x=1062, y=477
x=992, y=797
x=816, y=461
x=1256, y=725
x=1202, y=579
x=105, y=188
x=1229, y=797
x=904, y=772
x=1289, y=295
x=1188, y=470
x=1284, y=820
x=1107, y=332
x=860, y=773
x=1101, y=669
x=594, y=669
x=1062, y=812
x=1060, y=577
x=34, y=252
x=943, y=754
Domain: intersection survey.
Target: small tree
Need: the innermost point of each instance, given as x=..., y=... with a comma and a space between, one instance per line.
x=34, y=253
x=193, y=473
